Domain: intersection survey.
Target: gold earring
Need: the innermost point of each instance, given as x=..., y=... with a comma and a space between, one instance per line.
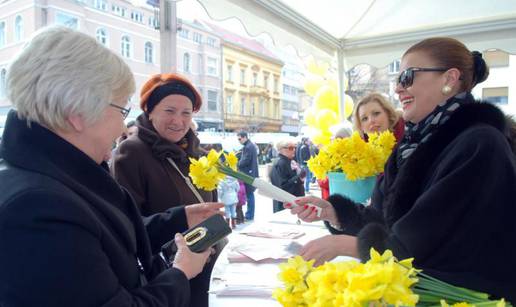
x=446, y=90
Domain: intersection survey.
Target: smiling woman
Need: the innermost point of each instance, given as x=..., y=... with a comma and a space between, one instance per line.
x=449, y=186
x=153, y=164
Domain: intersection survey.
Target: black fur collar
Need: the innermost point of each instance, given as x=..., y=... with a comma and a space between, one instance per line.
x=403, y=189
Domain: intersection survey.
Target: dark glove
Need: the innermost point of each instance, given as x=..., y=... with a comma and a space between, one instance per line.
x=302, y=174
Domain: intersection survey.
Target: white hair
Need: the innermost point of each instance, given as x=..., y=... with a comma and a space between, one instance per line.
x=285, y=142
x=62, y=72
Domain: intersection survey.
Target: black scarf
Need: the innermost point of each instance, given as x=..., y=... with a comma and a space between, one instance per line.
x=162, y=148
x=416, y=134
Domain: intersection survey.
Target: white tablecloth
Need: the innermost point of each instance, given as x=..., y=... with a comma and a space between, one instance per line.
x=258, y=278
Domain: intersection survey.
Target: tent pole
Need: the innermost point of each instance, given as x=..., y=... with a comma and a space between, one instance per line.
x=168, y=38
x=342, y=89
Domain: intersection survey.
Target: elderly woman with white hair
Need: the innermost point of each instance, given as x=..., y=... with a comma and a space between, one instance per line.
x=286, y=173
x=69, y=234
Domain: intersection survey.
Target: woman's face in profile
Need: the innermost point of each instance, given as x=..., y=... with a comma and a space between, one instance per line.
x=172, y=117
x=423, y=96
x=373, y=118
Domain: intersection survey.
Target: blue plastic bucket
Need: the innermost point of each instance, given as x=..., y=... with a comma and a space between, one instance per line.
x=359, y=190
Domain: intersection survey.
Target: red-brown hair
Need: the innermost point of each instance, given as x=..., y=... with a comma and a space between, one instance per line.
x=450, y=53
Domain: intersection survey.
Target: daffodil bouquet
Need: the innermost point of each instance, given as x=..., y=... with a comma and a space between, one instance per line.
x=354, y=156
x=381, y=281
x=207, y=171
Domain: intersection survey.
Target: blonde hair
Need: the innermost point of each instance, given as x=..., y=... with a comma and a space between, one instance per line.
x=61, y=72
x=383, y=102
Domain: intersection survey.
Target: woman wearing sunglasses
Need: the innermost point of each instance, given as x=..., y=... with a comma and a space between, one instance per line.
x=286, y=173
x=449, y=190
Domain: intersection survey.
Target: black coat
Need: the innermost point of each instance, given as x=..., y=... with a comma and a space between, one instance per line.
x=451, y=205
x=283, y=176
x=71, y=236
x=248, y=162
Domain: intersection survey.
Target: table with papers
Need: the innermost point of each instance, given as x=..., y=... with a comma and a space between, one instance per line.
x=245, y=273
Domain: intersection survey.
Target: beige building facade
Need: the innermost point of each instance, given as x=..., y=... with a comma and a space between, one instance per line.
x=252, y=85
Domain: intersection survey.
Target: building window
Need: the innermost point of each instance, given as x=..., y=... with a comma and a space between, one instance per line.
x=255, y=79
x=242, y=76
x=262, y=106
x=100, y=4
x=210, y=41
x=137, y=16
x=253, y=106
x=229, y=104
x=18, y=28
x=266, y=82
x=197, y=37
x=67, y=20
x=242, y=106
x=3, y=82
x=212, y=66
x=394, y=67
x=496, y=58
x=496, y=95
x=230, y=73
x=117, y=10
x=126, y=46
x=212, y=100
x=186, y=62
x=2, y=34
x=276, y=109
x=183, y=33
x=149, y=53
x=153, y=22
x=276, y=84
x=101, y=36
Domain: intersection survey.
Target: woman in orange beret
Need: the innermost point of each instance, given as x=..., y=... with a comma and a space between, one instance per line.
x=154, y=164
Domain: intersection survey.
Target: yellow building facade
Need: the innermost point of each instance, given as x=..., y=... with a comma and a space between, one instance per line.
x=251, y=89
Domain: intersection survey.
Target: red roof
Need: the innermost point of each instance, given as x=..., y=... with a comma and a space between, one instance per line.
x=243, y=42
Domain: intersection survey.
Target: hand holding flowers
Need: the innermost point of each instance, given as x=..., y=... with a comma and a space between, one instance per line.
x=305, y=212
x=206, y=172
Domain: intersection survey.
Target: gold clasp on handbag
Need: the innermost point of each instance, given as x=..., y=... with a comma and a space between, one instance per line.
x=195, y=235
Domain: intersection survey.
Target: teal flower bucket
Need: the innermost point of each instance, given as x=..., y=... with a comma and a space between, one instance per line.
x=358, y=190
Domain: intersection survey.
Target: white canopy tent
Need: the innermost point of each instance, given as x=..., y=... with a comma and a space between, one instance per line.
x=374, y=32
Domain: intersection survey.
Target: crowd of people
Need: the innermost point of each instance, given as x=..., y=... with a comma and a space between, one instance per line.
x=77, y=231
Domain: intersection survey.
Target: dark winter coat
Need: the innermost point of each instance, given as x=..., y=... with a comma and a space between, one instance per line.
x=140, y=165
x=451, y=206
x=71, y=236
x=304, y=154
x=248, y=162
x=283, y=176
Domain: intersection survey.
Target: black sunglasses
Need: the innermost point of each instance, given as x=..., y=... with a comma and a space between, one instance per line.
x=124, y=111
x=406, y=78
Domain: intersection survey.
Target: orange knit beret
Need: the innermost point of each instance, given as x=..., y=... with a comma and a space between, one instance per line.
x=160, y=79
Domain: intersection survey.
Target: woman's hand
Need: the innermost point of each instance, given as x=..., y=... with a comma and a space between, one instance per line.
x=199, y=212
x=328, y=247
x=187, y=261
x=306, y=212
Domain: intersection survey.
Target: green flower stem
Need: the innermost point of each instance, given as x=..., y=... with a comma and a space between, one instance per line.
x=235, y=174
x=446, y=295
x=437, y=286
